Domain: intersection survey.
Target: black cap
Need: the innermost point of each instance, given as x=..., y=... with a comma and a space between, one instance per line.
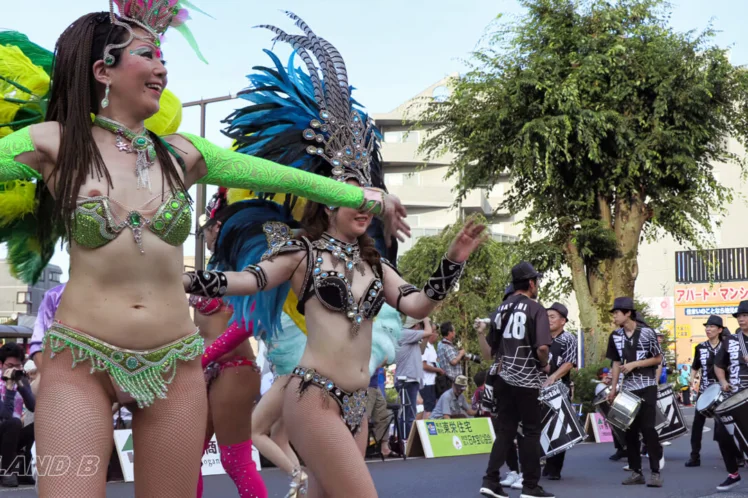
x=524, y=271
x=508, y=291
x=623, y=304
x=560, y=309
x=715, y=320
x=742, y=308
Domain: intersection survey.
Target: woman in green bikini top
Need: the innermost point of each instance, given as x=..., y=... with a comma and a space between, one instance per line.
x=124, y=313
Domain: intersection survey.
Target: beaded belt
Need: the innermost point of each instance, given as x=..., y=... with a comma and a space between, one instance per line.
x=215, y=368
x=352, y=405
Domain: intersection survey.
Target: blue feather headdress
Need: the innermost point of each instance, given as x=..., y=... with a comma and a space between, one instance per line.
x=309, y=121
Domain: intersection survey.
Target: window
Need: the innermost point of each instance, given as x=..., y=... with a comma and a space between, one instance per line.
x=23, y=298
x=393, y=179
x=54, y=277
x=399, y=137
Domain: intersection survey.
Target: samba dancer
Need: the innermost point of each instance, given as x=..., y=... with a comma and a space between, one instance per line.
x=336, y=271
x=635, y=354
x=732, y=357
x=124, y=307
x=703, y=364
x=231, y=373
x=561, y=360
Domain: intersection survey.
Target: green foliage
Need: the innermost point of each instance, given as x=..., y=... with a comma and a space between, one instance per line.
x=481, y=287
x=584, y=385
x=608, y=123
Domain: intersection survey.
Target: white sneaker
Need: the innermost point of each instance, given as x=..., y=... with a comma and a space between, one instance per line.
x=510, y=478
x=627, y=468
x=662, y=462
x=518, y=483
x=666, y=443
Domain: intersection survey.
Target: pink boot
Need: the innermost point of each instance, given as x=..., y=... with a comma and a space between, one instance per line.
x=238, y=464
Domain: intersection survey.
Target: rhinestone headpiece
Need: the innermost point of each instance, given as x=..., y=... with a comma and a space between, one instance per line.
x=343, y=136
x=155, y=17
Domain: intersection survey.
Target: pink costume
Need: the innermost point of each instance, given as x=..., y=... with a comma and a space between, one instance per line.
x=236, y=458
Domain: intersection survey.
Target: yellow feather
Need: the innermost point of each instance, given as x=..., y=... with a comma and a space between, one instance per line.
x=289, y=308
x=167, y=120
x=15, y=66
x=17, y=198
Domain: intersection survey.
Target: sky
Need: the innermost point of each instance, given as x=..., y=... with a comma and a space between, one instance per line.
x=393, y=49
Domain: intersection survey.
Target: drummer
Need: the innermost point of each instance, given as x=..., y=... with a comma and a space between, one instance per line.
x=562, y=358
x=733, y=358
x=703, y=363
x=636, y=354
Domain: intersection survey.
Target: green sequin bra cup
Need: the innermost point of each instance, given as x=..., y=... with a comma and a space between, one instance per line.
x=11, y=147
x=234, y=170
x=144, y=375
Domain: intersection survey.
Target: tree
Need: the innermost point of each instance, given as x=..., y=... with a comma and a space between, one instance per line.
x=608, y=123
x=481, y=287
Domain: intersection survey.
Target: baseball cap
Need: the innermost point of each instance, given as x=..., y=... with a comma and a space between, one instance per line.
x=524, y=271
x=411, y=322
x=461, y=381
x=606, y=370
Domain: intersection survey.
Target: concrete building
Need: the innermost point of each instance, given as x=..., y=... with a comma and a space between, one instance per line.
x=421, y=184
x=17, y=298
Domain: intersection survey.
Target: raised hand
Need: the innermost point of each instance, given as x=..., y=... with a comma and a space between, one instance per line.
x=394, y=219
x=465, y=242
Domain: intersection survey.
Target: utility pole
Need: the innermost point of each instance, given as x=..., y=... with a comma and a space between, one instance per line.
x=201, y=188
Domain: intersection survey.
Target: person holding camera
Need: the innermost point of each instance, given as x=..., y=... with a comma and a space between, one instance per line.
x=15, y=392
x=449, y=357
x=409, y=366
x=519, y=339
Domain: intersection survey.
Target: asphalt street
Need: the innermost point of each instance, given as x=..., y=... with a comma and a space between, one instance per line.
x=588, y=473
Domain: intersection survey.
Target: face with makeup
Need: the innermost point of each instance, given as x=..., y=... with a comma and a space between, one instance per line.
x=136, y=80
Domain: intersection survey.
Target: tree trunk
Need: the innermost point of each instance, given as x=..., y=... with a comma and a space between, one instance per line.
x=596, y=287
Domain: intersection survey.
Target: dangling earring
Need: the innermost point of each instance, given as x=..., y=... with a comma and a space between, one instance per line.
x=105, y=102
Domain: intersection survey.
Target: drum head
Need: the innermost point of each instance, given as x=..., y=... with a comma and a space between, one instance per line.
x=732, y=402
x=706, y=398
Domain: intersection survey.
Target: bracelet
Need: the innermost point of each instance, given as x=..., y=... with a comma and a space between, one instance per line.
x=259, y=273
x=373, y=201
x=444, y=279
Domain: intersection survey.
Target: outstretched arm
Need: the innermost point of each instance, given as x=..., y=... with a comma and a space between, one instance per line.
x=253, y=279
x=416, y=303
x=210, y=164
x=18, y=160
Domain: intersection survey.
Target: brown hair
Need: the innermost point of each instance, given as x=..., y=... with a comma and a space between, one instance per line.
x=315, y=221
x=73, y=98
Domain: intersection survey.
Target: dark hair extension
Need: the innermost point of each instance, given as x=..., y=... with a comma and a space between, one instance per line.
x=73, y=97
x=315, y=221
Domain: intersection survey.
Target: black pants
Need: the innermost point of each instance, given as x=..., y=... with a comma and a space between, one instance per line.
x=10, y=437
x=515, y=405
x=727, y=446
x=644, y=424
x=697, y=429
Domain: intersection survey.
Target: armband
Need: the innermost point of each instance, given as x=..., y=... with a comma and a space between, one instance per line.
x=12, y=146
x=444, y=279
x=259, y=273
x=207, y=283
x=405, y=290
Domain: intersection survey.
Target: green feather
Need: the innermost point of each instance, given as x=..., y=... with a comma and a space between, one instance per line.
x=38, y=55
x=191, y=40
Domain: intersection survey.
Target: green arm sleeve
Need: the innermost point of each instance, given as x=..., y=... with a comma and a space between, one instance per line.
x=234, y=170
x=11, y=147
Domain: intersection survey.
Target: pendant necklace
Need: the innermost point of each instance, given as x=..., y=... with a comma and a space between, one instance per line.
x=139, y=143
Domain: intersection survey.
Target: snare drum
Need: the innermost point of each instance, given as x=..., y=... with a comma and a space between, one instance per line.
x=624, y=409
x=561, y=427
x=676, y=424
x=603, y=408
x=736, y=407
x=709, y=400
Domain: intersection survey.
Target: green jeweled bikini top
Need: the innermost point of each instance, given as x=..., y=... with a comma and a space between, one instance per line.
x=96, y=225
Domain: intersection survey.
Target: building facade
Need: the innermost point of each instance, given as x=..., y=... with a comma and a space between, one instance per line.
x=421, y=183
x=18, y=299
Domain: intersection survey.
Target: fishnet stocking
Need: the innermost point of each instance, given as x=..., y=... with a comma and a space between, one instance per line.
x=326, y=446
x=168, y=437
x=74, y=426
